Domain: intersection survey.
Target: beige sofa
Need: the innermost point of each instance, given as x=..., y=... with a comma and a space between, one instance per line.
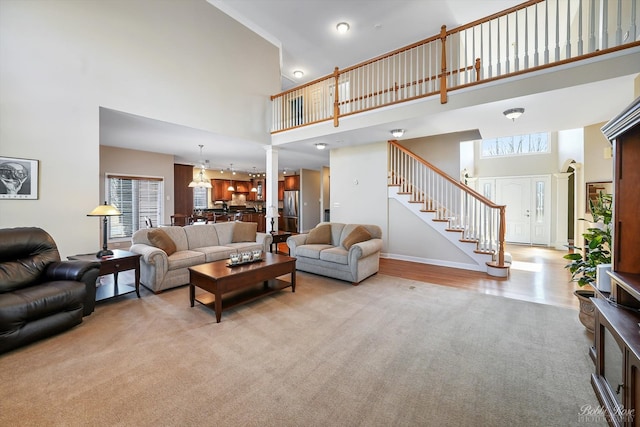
x=194, y=244
x=332, y=258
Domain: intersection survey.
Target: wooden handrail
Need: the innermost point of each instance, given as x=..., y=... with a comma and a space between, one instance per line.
x=494, y=241
x=458, y=184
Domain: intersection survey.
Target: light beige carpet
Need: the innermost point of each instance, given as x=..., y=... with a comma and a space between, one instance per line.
x=390, y=352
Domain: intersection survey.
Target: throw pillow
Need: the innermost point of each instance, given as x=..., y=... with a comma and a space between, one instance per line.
x=244, y=232
x=158, y=238
x=321, y=235
x=357, y=235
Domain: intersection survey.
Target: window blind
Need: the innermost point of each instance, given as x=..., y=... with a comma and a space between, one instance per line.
x=136, y=198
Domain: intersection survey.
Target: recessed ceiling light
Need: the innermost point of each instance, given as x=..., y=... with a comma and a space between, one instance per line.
x=342, y=27
x=298, y=74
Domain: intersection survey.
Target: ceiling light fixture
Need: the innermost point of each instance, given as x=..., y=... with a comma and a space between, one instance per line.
x=513, y=113
x=298, y=74
x=201, y=182
x=397, y=133
x=342, y=27
x=321, y=145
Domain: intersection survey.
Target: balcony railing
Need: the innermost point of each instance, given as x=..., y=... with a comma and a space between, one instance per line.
x=529, y=37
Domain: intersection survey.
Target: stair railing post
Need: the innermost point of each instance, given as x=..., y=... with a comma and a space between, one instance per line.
x=501, y=235
x=336, y=101
x=443, y=75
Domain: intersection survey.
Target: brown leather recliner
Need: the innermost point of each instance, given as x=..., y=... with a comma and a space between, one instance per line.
x=40, y=295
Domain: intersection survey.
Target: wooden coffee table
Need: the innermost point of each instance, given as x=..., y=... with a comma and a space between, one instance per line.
x=243, y=283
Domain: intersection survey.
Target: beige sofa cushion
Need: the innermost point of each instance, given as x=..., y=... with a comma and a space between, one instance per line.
x=357, y=235
x=158, y=238
x=244, y=232
x=319, y=235
x=201, y=235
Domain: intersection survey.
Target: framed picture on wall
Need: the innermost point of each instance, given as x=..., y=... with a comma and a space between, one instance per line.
x=595, y=188
x=18, y=178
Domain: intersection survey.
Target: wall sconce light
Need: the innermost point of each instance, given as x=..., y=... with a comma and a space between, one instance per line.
x=321, y=146
x=397, y=133
x=513, y=113
x=343, y=27
x=298, y=74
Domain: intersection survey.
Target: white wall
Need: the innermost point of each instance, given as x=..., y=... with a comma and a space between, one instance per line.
x=442, y=151
x=310, y=186
x=62, y=60
x=359, y=185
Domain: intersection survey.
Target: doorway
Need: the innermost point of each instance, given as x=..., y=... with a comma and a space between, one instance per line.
x=528, y=202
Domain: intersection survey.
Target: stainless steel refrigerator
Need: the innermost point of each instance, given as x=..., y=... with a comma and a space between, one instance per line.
x=290, y=210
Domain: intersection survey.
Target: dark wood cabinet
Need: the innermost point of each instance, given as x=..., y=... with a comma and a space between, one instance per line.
x=182, y=193
x=258, y=218
x=616, y=380
x=242, y=186
x=220, y=191
x=280, y=190
x=292, y=182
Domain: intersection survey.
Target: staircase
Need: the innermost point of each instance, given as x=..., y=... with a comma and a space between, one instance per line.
x=473, y=223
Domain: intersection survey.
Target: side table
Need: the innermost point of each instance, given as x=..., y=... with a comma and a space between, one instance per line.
x=278, y=237
x=120, y=261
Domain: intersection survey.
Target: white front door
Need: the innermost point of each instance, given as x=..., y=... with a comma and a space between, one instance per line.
x=528, y=212
x=515, y=194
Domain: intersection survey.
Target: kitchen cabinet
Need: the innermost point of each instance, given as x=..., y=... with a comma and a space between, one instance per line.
x=220, y=190
x=280, y=190
x=242, y=186
x=292, y=182
x=256, y=217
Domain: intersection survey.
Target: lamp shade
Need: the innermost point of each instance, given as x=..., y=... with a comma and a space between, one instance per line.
x=272, y=212
x=105, y=210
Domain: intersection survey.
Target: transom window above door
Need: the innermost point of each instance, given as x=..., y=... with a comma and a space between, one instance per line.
x=534, y=143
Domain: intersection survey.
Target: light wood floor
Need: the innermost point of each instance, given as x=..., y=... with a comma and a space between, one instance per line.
x=537, y=275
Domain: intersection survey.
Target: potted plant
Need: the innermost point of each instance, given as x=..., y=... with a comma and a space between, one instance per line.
x=597, y=250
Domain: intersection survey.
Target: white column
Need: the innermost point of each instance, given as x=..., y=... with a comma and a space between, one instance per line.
x=561, y=235
x=271, y=184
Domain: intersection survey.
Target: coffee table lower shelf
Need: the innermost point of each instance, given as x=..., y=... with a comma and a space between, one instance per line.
x=243, y=296
x=241, y=284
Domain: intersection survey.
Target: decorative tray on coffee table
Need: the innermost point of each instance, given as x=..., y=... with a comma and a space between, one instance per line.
x=239, y=263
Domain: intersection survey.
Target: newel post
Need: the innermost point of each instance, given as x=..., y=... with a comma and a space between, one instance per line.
x=443, y=76
x=501, y=235
x=336, y=103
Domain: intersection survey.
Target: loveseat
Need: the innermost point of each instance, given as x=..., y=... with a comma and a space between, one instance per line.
x=348, y=252
x=165, y=263
x=40, y=295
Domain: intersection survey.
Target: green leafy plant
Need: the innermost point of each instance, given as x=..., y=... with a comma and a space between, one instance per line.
x=583, y=266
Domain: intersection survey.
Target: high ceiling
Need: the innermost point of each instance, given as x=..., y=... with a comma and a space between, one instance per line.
x=305, y=30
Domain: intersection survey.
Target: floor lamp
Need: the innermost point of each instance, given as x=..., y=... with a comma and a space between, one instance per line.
x=104, y=211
